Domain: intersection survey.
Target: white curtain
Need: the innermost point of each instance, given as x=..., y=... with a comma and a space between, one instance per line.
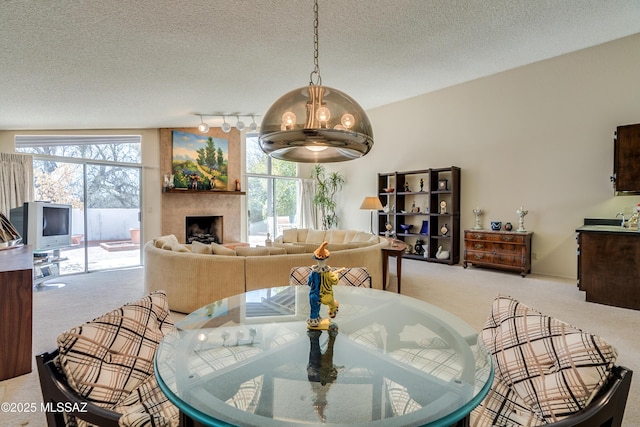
x=307, y=213
x=16, y=181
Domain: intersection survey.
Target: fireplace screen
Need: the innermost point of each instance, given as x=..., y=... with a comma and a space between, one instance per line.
x=204, y=229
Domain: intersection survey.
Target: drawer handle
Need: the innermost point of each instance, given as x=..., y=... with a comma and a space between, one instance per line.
x=477, y=236
x=478, y=246
x=478, y=256
x=507, y=238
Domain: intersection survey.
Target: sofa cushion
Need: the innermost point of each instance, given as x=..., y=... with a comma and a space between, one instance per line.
x=555, y=368
x=201, y=248
x=248, y=251
x=302, y=234
x=336, y=236
x=274, y=250
x=294, y=249
x=315, y=236
x=218, y=249
x=363, y=237
x=107, y=358
x=290, y=235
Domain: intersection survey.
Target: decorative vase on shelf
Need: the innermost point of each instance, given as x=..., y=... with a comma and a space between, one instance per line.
x=477, y=212
x=521, y=213
x=425, y=228
x=444, y=229
x=442, y=254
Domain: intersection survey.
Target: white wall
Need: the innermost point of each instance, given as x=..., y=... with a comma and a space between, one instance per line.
x=540, y=136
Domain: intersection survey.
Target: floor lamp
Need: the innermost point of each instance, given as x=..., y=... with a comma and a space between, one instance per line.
x=371, y=204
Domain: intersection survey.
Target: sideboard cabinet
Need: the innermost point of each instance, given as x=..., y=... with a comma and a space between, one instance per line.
x=498, y=249
x=609, y=267
x=16, y=303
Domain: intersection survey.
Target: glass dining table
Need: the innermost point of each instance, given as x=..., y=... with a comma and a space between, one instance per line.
x=387, y=360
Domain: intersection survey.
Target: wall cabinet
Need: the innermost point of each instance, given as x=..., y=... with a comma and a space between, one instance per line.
x=626, y=158
x=428, y=201
x=498, y=249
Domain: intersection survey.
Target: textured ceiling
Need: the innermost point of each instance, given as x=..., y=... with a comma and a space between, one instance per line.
x=145, y=64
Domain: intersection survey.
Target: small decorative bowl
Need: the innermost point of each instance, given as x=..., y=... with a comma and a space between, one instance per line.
x=406, y=227
x=388, y=190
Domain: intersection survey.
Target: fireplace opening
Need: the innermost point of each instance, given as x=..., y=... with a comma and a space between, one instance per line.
x=203, y=229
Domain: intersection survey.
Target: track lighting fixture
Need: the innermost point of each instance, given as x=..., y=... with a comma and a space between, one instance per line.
x=226, y=127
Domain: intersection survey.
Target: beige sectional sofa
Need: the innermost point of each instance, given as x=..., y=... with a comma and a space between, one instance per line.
x=194, y=275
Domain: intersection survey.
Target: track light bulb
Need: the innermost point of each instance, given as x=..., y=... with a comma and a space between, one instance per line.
x=226, y=127
x=240, y=124
x=203, y=127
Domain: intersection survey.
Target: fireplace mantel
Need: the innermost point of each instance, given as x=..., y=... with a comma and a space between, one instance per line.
x=203, y=192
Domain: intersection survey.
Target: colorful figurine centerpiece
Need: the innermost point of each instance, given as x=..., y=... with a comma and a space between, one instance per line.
x=321, y=282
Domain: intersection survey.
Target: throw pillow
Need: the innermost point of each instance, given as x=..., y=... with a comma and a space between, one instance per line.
x=108, y=357
x=201, y=248
x=555, y=368
x=165, y=242
x=218, y=249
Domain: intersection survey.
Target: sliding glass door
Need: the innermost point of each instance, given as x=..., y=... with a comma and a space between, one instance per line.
x=100, y=176
x=112, y=216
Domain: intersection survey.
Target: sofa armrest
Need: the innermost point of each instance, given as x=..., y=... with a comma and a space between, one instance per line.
x=607, y=407
x=56, y=390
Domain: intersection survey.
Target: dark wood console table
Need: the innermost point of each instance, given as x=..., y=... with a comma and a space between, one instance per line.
x=396, y=249
x=16, y=304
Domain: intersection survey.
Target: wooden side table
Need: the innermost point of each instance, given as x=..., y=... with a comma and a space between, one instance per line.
x=396, y=249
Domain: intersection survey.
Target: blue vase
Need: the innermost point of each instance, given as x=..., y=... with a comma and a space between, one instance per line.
x=425, y=228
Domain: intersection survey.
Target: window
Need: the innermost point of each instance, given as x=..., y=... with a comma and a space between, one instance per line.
x=272, y=194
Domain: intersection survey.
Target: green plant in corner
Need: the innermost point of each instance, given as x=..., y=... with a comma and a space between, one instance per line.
x=324, y=199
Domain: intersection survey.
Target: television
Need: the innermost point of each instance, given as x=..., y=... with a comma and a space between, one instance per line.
x=43, y=225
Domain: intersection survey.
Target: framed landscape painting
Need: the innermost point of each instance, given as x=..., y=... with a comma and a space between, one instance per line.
x=199, y=162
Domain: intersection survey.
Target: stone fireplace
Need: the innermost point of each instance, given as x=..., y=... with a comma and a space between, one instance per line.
x=203, y=229
x=226, y=203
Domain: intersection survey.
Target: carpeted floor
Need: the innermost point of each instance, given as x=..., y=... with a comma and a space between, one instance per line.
x=468, y=293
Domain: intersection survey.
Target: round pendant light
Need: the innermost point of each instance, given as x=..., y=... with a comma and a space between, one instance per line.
x=316, y=124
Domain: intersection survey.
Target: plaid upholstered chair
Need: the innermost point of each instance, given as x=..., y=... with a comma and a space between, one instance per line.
x=548, y=372
x=103, y=369
x=353, y=276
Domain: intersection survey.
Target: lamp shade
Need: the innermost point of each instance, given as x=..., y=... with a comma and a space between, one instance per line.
x=371, y=203
x=316, y=124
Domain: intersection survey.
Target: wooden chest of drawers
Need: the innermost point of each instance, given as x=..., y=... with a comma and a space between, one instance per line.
x=509, y=250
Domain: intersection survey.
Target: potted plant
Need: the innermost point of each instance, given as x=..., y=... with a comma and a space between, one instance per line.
x=326, y=188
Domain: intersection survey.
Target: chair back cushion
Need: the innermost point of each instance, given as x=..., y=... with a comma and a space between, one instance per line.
x=354, y=276
x=108, y=357
x=555, y=368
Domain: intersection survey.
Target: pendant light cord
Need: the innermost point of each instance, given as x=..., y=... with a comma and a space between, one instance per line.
x=316, y=66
